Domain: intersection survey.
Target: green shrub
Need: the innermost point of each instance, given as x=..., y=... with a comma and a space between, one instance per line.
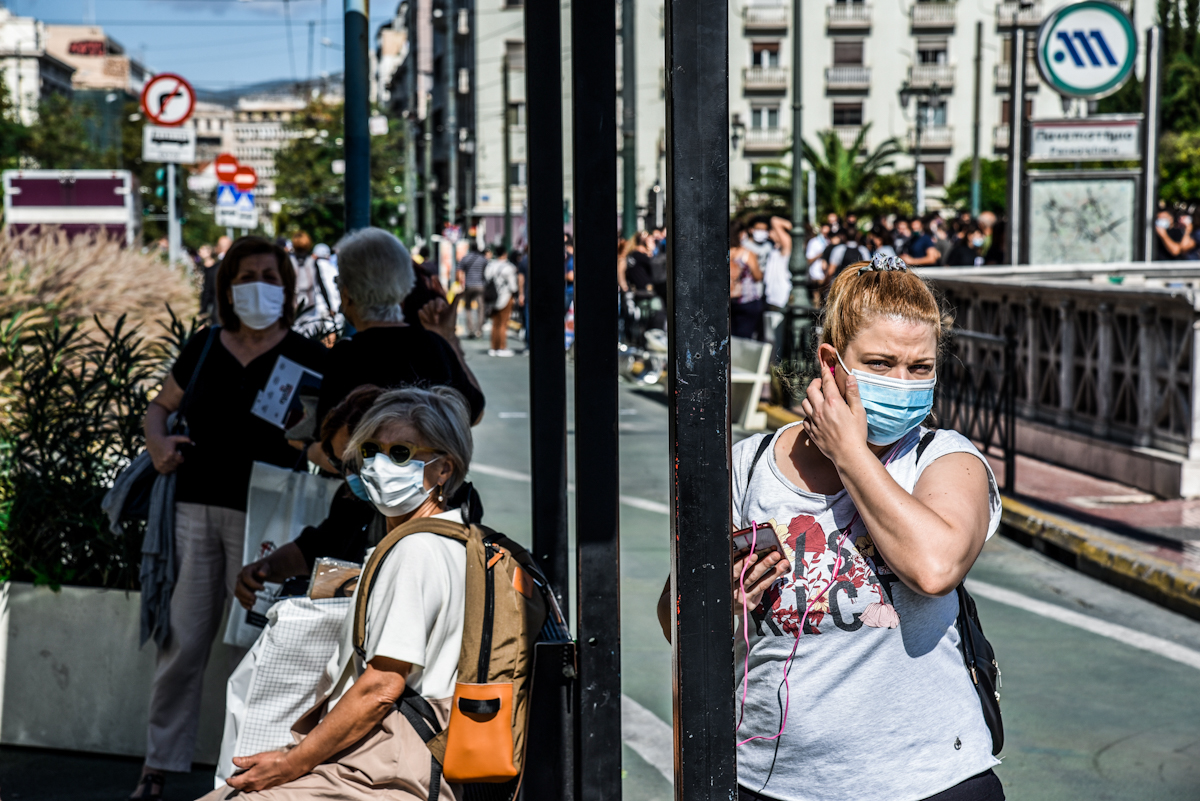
x=74, y=404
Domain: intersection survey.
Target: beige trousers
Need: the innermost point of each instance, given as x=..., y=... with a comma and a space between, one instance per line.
x=208, y=556
x=390, y=762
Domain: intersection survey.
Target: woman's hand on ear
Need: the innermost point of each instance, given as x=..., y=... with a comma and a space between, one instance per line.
x=836, y=425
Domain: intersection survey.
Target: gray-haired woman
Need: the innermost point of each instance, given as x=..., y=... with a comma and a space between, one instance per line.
x=413, y=450
x=375, y=274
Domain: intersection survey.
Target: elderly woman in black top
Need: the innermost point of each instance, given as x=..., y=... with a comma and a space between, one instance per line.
x=255, y=294
x=375, y=275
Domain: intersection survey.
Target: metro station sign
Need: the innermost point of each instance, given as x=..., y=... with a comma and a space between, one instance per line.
x=1086, y=49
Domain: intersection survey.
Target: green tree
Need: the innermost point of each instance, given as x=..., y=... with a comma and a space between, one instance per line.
x=1179, y=168
x=845, y=178
x=12, y=132
x=312, y=196
x=993, y=186
x=58, y=140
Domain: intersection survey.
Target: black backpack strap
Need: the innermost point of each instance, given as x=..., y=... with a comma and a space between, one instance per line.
x=763, y=445
x=181, y=421
x=925, y=442
x=420, y=715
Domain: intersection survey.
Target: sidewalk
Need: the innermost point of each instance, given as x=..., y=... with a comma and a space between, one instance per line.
x=1118, y=534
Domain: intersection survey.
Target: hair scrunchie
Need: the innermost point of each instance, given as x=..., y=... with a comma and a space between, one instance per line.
x=881, y=262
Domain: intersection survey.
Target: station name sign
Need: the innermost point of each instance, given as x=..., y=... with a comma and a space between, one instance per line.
x=1088, y=139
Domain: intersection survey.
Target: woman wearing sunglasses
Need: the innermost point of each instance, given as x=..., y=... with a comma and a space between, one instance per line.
x=412, y=450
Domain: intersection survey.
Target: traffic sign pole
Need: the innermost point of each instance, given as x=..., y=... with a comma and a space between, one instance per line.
x=172, y=219
x=356, y=109
x=1152, y=109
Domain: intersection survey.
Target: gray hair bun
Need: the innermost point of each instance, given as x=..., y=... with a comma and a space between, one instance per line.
x=881, y=262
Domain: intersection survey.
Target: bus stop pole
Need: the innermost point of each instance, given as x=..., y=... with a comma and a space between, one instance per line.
x=597, y=537
x=358, y=140
x=697, y=67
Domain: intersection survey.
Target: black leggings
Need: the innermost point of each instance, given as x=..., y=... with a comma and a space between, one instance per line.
x=984, y=787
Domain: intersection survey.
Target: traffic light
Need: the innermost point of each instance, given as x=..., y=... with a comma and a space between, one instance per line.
x=160, y=176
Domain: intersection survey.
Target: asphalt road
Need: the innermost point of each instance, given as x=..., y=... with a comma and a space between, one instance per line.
x=1101, y=690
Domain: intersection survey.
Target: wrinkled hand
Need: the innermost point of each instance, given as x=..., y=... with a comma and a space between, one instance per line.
x=164, y=452
x=835, y=425
x=761, y=572
x=263, y=771
x=439, y=316
x=250, y=581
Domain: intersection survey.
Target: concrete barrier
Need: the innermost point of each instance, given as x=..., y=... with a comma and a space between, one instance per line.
x=72, y=676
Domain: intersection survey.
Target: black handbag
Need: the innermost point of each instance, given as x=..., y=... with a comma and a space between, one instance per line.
x=137, y=500
x=981, y=664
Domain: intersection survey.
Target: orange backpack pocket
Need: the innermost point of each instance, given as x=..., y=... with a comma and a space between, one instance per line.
x=479, y=742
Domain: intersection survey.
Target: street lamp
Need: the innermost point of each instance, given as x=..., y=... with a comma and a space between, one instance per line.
x=737, y=130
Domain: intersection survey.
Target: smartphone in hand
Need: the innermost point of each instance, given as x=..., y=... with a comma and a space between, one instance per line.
x=765, y=540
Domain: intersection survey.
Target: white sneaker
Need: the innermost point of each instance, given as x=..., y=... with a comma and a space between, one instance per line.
x=493, y=352
x=505, y=353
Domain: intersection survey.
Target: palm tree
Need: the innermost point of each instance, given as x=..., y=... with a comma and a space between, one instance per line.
x=845, y=178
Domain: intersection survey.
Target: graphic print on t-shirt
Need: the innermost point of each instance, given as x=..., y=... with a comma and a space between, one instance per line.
x=860, y=596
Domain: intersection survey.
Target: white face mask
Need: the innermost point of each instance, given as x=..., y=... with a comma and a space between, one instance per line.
x=258, y=305
x=759, y=236
x=395, y=489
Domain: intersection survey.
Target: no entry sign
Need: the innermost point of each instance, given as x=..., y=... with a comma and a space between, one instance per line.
x=226, y=166
x=245, y=178
x=168, y=99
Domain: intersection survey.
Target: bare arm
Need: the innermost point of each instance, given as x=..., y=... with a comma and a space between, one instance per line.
x=783, y=234
x=930, y=538
x=278, y=566
x=364, y=705
x=162, y=445
x=1173, y=247
x=931, y=257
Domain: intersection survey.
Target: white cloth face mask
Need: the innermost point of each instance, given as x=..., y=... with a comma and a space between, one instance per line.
x=257, y=304
x=394, y=489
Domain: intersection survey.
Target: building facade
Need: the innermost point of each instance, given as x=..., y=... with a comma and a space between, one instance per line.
x=31, y=70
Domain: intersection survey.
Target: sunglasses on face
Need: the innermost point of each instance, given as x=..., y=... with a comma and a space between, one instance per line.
x=399, y=452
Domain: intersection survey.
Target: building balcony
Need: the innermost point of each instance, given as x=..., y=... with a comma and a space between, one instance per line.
x=844, y=77
x=848, y=135
x=1004, y=74
x=1000, y=136
x=933, y=14
x=933, y=137
x=923, y=76
x=760, y=79
x=766, y=17
x=765, y=140
x=848, y=16
x=1030, y=15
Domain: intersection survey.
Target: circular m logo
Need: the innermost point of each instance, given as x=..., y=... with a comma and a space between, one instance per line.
x=1086, y=49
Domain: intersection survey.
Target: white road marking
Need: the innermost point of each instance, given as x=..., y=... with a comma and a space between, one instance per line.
x=1128, y=636
x=513, y=475
x=649, y=737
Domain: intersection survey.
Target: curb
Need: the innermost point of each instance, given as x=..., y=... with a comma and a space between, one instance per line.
x=1090, y=551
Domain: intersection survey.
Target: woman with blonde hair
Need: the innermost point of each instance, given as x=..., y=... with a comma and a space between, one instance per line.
x=850, y=680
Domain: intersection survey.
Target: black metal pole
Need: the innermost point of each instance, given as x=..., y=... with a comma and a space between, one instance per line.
x=1016, y=144
x=697, y=66
x=1010, y=410
x=798, y=264
x=357, y=108
x=506, y=238
x=628, y=118
x=1152, y=120
x=545, y=292
x=597, y=514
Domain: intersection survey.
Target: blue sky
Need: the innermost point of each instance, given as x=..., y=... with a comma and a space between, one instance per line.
x=216, y=44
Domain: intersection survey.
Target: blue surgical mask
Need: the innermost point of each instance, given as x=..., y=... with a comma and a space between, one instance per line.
x=354, y=480
x=894, y=406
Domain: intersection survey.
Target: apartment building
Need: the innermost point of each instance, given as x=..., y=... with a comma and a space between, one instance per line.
x=30, y=69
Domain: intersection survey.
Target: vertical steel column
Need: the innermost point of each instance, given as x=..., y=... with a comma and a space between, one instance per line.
x=697, y=65
x=798, y=264
x=1152, y=117
x=597, y=528
x=545, y=291
x=1016, y=144
x=628, y=118
x=452, y=123
x=430, y=180
x=410, y=132
x=976, y=188
x=357, y=108
x=507, y=148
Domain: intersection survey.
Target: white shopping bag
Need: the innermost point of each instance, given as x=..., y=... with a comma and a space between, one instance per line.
x=279, y=678
x=280, y=504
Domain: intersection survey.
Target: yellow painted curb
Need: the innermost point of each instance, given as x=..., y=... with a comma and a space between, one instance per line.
x=1157, y=579
x=778, y=416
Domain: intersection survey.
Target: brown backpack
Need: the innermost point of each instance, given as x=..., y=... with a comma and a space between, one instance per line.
x=506, y=608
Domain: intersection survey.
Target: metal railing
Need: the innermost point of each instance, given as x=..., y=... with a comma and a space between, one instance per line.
x=848, y=135
x=764, y=17
x=1000, y=135
x=848, y=15
x=925, y=75
x=976, y=393
x=933, y=14
x=1004, y=74
x=1010, y=13
x=765, y=78
x=760, y=139
x=848, y=77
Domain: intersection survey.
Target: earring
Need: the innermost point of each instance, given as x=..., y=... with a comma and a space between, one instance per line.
x=441, y=497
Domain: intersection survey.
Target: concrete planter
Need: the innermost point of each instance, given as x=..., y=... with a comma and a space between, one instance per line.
x=72, y=676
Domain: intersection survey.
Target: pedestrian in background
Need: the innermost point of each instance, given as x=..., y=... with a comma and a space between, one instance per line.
x=255, y=292
x=470, y=278
x=745, y=288
x=919, y=250
x=1173, y=239
x=208, y=290
x=501, y=277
